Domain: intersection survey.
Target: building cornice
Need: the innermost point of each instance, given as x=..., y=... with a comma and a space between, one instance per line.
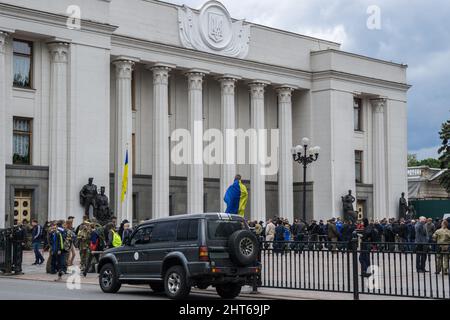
x=339, y=75
x=280, y=71
x=354, y=55
x=53, y=19
x=190, y=54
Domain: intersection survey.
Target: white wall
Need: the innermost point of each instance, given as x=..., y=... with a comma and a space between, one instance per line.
x=89, y=115
x=396, y=153
x=334, y=173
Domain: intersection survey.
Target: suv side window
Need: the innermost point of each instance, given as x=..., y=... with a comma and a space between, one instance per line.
x=193, y=230
x=187, y=230
x=143, y=236
x=164, y=232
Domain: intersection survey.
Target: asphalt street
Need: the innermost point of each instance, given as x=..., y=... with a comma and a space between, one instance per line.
x=13, y=289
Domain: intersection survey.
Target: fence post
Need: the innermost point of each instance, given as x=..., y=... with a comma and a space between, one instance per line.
x=355, y=269
x=255, y=277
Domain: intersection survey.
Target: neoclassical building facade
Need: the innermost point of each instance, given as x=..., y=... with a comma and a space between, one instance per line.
x=77, y=97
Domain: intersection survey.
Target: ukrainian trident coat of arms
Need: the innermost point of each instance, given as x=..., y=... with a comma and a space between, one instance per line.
x=215, y=27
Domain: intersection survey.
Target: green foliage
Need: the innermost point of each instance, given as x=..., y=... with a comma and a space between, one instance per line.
x=413, y=162
x=444, y=151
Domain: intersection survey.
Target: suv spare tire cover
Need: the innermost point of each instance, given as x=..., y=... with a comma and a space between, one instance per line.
x=243, y=247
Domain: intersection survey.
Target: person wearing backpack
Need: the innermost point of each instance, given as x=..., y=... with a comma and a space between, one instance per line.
x=36, y=241
x=95, y=246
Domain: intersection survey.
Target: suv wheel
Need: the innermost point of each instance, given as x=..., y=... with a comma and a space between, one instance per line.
x=157, y=287
x=229, y=290
x=175, y=283
x=108, y=279
x=243, y=247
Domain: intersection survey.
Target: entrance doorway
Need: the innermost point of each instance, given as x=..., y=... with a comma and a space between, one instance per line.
x=361, y=208
x=22, y=206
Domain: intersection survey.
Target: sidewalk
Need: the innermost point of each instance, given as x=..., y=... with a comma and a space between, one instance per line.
x=37, y=273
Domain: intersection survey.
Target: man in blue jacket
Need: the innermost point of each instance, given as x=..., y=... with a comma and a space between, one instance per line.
x=36, y=239
x=57, y=238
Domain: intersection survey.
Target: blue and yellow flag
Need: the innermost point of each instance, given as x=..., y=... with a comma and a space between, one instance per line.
x=236, y=198
x=125, y=179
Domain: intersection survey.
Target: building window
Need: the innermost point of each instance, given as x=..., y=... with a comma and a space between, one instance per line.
x=359, y=166
x=22, y=138
x=22, y=61
x=357, y=111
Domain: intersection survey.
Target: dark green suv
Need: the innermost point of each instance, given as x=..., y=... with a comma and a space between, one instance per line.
x=174, y=254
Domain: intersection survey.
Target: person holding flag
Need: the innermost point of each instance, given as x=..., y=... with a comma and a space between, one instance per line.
x=236, y=197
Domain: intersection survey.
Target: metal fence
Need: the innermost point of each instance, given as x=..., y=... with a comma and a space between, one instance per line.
x=338, y=267
x=6, y=251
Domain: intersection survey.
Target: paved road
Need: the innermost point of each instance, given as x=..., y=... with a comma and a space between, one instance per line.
x=13, y=289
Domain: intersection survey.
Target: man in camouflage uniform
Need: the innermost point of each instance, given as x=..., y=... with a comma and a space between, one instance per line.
x=97, y=235
x=84, y=237
x=442, y=238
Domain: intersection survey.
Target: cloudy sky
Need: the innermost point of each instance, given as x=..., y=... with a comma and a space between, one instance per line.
x=414, y=32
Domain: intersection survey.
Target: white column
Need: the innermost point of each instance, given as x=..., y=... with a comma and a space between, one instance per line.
x=124, y=131
x=285, y=182
x=58, y=204
x=3, y=104
x=161, y=165
x=380, y=205
x=257, y=192
x=195, y=127
x=228, y=118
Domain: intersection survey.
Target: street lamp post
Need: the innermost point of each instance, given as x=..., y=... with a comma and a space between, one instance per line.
x=305, y=156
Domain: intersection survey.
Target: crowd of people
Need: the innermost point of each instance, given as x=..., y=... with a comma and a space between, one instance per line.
x=61, y=239
x=420, y=236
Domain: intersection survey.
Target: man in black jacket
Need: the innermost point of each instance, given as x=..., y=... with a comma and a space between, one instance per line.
x=368, y=237
x=18, y=239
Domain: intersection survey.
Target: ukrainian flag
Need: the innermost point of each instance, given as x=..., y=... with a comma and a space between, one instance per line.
x=125, y=179
x=236, y=198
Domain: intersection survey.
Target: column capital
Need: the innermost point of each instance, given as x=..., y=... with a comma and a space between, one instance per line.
x=161, y=73
x=228, y=77
x=124, y=68
x=228, y=84
x=161, y=66
x=285, y=93
x=3, y=38
x=195, y=78
x=257, y=88
x=379, y=104
x=59, y=51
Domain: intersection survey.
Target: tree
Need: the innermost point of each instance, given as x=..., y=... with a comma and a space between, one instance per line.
x=430, y=162
x=444, y=151
x=412, y=160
